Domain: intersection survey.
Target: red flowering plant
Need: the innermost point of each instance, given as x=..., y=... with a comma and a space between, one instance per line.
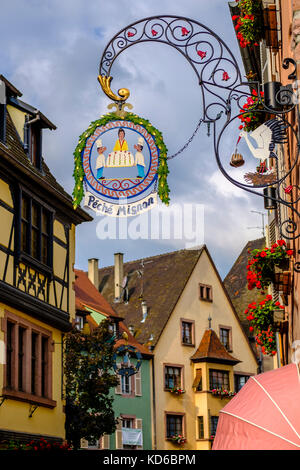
x=250, y=119
x=178, y=439
x=222, y=393
x=260, y=316
x=248, y=23
x=262, y=264
x=35, y=445
x=177, y=390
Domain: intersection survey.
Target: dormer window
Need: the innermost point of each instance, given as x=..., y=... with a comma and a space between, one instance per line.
x=33, y=141
x=2, y=111
x=35, y=145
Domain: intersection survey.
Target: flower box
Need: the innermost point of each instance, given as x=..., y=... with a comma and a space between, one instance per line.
x=218, y=392
x=178, y=439
x=177, y=391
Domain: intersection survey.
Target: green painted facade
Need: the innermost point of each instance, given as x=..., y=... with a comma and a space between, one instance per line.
x=138, y=406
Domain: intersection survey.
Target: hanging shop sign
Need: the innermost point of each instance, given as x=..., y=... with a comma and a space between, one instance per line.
x=120, y=166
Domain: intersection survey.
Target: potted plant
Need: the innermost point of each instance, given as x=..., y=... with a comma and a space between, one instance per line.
x=264, y=264
x=178, y=439
x=264, y=319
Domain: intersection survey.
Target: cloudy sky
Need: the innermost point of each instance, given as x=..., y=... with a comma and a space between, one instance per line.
x=51, y=49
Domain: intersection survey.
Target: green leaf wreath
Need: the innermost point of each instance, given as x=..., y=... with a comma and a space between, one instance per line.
x=163, y=188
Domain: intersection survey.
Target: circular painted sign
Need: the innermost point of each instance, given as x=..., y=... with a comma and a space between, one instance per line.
x=118, y=186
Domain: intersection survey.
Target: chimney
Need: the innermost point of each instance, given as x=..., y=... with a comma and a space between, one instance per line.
x=144, y=311
x=93, y=271
x=119, y=274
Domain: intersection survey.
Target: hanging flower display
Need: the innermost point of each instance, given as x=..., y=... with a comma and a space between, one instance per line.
x=248, y=24
x=250, y=119
x=178, y=439
x=262, y=263
x=261, y=318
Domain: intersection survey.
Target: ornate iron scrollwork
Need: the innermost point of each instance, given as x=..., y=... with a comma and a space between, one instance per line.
x=223, y=92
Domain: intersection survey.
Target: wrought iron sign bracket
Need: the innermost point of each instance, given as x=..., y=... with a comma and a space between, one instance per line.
x=224, y=95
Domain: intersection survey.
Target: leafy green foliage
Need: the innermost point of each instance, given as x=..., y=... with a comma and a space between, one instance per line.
x=78, y=174
x=88, y=362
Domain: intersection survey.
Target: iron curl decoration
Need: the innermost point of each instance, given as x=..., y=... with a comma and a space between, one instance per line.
x=223, y=91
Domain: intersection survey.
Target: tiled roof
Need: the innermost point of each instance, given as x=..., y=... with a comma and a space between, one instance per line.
x=212, y=350
x=13, y=151
x=86, y=295
x=161, y=285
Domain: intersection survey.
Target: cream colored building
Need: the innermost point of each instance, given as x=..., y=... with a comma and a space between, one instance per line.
x=176, y=304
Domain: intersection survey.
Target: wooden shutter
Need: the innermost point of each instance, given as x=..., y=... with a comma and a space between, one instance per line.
x=105, y=441
x=138, y=383
x=84, y=443
x=119, y=439
x=139, y=425
x=198, y=378
x=118, y=388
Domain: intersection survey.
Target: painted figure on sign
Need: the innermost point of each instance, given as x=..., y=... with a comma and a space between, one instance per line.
x=139, y=158
x=121, y=143
x=100, y=162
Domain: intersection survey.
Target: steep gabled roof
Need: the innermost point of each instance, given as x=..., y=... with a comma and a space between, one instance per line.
x=88, y=297
x=163, y=280
x=236, y=283
x=16, y=162
x=212, y=350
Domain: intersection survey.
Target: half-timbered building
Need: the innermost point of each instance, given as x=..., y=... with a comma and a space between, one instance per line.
x=37, y=300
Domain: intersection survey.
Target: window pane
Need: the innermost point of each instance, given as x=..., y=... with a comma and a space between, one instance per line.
x=174, y=425
x=34, y=360
x=213, y=425
x=218, y=379
x=200, y=427
x=44, y=249
x=9, y=354
x=172, y=377
x=25, y=208
x=24, y=236
x=45, y=222
x=21, y=357
x=44, y=366
x=187, y=333
x=224, y=337
x=35, y=243
x=35, y=215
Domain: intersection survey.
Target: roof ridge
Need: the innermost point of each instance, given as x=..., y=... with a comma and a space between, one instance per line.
x=201, y=247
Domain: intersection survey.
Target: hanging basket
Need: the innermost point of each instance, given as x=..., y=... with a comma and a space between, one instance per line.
x=237, y=160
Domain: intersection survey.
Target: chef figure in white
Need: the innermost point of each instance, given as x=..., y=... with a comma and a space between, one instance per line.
x=139, y=158
x=100, y=162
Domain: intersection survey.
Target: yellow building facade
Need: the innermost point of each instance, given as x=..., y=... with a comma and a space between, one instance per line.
x=37, y=251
